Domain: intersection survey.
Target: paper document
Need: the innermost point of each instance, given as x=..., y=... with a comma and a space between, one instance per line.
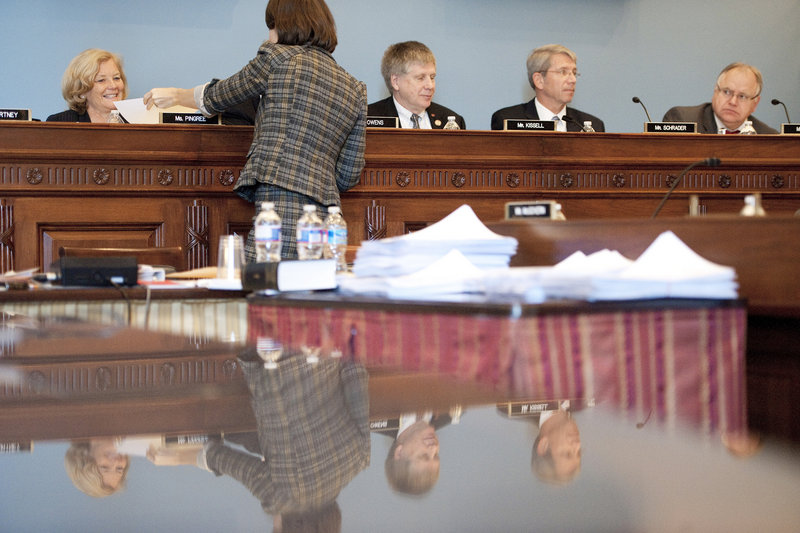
x=135, y=111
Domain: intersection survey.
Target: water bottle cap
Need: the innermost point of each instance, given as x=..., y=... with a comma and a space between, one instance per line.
x=451, y=118
x=267, y=205
x=333, y=209
x=309, y=208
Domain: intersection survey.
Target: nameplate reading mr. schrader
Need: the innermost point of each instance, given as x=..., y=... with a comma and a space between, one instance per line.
x=670, y=127
x=513, y=124
x=15, y=114
x=790, y=128
x=383, y=122
x=189, y=118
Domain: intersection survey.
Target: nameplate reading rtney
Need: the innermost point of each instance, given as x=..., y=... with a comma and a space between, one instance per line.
x=383, y=122
x=188, y=118
x=15, y=114
x=790, y=128
x=670, y=127
x=514, y=124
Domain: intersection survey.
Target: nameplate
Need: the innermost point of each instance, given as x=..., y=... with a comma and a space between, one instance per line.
x=189, y=118
x=670, y=127
x=385, y=424
x=16, y=447
x=513, y=124
x=534, y=408
x=533, y=209
x=15, y=114
x=383, y=122
x=790, y=128
x=185, y=440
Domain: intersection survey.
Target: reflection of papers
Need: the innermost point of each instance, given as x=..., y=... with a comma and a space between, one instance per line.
x=135, y=111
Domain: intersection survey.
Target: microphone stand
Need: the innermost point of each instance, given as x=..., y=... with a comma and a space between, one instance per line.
x=711, y=162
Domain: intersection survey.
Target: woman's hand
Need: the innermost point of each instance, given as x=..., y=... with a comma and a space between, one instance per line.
x=163, y=97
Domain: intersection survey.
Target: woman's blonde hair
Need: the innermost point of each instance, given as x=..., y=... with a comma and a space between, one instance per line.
x=82, y=469
x=79, y=77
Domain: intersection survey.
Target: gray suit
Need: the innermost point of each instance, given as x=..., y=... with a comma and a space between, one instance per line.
x=703, y=115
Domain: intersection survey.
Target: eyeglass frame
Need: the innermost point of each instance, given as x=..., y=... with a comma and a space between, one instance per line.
x=564, y=72
x=739, y=97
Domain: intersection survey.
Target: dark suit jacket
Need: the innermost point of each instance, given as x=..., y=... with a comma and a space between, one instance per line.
x=313, y=433
x=703, y=115
x=528, y=111
x=68, y=116
x=436, y=112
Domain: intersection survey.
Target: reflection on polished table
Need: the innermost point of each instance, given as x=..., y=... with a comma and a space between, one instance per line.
x=652, y=386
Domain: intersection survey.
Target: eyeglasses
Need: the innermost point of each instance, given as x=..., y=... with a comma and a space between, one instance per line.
x=563, y=72
x=739, y=97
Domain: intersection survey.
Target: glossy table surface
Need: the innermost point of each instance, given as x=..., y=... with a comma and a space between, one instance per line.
x=638, y=470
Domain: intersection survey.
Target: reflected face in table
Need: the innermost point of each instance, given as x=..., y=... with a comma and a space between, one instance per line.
x=110, y=462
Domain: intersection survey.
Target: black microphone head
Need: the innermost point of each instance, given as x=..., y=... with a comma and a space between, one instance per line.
x=636, y=100
x=775, y=101
x=712, y=162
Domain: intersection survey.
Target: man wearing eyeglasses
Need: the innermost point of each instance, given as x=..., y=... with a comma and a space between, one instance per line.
x=553, y=74
x=736, y=96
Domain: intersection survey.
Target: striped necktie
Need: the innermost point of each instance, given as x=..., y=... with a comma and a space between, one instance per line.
x=415, y=121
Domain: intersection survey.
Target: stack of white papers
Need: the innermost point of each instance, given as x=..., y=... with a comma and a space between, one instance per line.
x=667, y=269
x=460, y=230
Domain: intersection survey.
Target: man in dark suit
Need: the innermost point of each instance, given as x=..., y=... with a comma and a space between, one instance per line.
x=553, y=74
x=736, y=96
x=409, y=70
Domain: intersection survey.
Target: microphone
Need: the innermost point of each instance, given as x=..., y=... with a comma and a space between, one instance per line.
x=707, y=162
x=567, y=118
x=775, y=101
x=636, y=100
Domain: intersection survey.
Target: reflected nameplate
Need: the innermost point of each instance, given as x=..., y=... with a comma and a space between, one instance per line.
x=16, y=447
x=670, y=127
x=188, y=118
x=790, y=128
x=514, y=124
x=15, y=114
x=383, y=122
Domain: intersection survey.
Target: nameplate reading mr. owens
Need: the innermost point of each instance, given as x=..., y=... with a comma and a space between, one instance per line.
x=383, y=122
x=189, y=118
x=513, y=124
x=790, y=128
x=15, y=114
x=670, y=127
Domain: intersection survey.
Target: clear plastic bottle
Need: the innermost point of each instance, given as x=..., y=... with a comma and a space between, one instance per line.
x=587, y=126
x=451, y=124
x=747, y=128
x=310, y=234
x=336, y=244
x=752, y=206
x=114, y=117
x=268, y=234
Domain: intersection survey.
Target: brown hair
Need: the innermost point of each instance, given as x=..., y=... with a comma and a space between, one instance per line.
x=79, y=77
x=301, y=22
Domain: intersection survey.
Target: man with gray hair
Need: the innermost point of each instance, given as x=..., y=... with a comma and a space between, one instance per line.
x=409, y=70
x=553, y=74
x=736, y=96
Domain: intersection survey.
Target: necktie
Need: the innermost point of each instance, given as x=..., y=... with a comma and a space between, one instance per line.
x=415, y=121
x=731, y=132
x=557, y=120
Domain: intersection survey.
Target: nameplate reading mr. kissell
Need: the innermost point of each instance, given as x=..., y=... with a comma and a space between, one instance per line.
x=15, y=114
x=514, y=124
x=790, y=128
x=383, y=122
x=670, y=127
x=189, y=118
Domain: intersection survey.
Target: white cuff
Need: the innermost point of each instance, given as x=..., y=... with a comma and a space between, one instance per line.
x=199, y=93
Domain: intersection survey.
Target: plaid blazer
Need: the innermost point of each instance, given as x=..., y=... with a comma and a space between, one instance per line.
x=313, y=431
x=310, y=127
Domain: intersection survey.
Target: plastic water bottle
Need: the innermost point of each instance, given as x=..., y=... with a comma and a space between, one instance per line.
x=310, y=234
x=268, y=234
x=752, y=206
x=114, y=117
x=587, y=126
x=336, y=245
x=451, y=124
x=747, y=128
